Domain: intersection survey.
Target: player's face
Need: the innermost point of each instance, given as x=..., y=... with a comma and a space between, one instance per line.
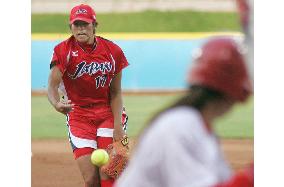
x=83, y=31
x=224, y=106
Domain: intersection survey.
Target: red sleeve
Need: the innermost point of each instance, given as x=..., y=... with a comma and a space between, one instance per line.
x=241, y=179
x=120, y=60
x=58, y=59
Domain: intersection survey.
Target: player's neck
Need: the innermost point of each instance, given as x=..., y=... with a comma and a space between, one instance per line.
x=90, y=42
x=88, y=45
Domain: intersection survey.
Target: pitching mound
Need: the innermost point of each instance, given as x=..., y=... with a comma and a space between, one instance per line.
x=53, y=164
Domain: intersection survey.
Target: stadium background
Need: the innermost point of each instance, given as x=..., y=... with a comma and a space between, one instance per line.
x=155, y=75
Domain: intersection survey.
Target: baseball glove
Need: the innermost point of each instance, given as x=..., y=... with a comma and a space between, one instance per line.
x=118, y=158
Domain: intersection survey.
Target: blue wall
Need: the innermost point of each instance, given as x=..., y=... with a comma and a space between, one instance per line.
x=154, y=64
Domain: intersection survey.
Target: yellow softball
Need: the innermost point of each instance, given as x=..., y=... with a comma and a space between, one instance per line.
x=99, y=157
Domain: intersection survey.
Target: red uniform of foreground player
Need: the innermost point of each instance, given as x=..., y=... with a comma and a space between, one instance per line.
x=179, y=147
x=88, y=69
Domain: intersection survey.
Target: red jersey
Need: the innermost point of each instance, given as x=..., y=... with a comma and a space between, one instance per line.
x=87, y=74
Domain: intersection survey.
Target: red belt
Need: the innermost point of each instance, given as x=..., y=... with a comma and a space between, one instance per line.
x=92, y=105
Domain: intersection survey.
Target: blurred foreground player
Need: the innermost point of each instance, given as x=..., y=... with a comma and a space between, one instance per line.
x=179, y=147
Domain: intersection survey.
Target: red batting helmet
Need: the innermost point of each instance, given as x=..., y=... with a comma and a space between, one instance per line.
x=221, y=67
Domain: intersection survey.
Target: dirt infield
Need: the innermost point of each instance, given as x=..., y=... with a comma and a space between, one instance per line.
x=53, y=164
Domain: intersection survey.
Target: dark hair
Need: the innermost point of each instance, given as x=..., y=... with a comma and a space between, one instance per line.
x=95, y=24
x=196, y=97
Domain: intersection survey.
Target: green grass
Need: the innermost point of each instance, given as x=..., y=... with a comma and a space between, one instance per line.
x=47, y=123
x=238, y=123
x=147, y=21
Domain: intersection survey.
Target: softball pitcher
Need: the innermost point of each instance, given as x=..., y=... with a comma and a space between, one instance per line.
x=179, y=147
x=90, y=69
